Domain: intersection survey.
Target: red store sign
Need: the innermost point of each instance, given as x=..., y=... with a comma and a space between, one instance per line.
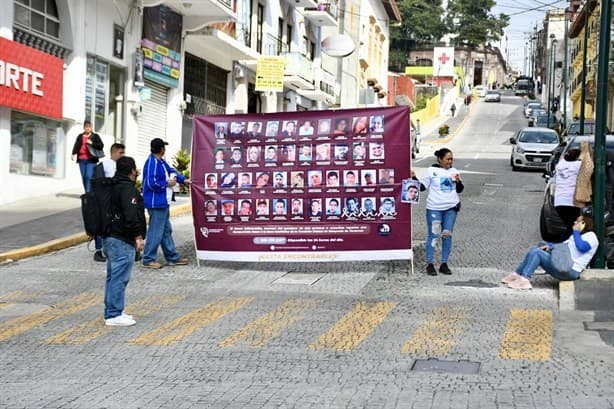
x=30, y=80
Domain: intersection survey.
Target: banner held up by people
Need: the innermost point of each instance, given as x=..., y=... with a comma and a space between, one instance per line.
x=302, y=186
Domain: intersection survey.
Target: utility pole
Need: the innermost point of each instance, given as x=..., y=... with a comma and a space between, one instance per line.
x=585, y=48
x=565, y=67
x=600, y=130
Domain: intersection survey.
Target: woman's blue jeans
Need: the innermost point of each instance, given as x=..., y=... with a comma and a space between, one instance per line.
x=537, y=257
x=87, y=172
x=439, y=224
x=120, y=258
x=159, y=233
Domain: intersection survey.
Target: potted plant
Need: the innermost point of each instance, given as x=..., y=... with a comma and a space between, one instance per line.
x=444, y=129
x=181, y=162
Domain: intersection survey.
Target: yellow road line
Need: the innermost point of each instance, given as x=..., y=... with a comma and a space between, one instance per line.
x=259, y=332
x=183, y=326
x=22, y=324
x=7, y=299
x=438, y=334
x=93, y=329
x=528, y=335
x=352, y=329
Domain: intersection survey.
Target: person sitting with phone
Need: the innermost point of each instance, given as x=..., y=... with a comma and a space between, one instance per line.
x=583, y=244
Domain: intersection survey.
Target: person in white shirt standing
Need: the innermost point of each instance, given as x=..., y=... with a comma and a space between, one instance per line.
x=566, y=175
x=442, y=205
x=106, y=169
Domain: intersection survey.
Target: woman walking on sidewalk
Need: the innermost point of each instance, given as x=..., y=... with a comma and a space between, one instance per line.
x=442, y=205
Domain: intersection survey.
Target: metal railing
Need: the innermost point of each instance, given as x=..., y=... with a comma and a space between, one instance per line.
x=274, y=46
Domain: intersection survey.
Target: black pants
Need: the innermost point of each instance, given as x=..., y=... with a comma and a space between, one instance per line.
x=568, y=215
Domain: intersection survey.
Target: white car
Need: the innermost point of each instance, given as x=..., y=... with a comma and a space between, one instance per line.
x=492, y=96
x=532, y=147
x=480, y=90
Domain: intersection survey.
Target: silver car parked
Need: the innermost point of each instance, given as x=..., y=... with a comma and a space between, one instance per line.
x=532, y=147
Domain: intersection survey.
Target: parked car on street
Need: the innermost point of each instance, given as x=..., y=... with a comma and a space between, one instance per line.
x=551, y=227
x=480, y=90
x=492, y=96
x=574, y=128
x=529, y=106
x=532, y=147
x=535, y=112
x=546, y=121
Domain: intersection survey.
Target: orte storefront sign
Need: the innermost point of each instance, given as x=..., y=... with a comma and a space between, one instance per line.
x=30, y=80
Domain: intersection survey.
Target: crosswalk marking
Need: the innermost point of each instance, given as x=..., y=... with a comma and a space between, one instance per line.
x=94, y=328
x=259, y=332
x=15, y=296
x=183, y=326
x=528, y=335
x=22, y=324
x=438, y=334
x=352, y=329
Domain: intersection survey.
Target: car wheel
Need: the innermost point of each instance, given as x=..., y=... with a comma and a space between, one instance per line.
x=514, y=167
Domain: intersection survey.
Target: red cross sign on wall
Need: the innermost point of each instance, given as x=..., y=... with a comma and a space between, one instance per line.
x=443, y=58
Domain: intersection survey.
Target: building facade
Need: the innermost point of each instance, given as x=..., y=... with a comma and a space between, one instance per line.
x=140, y=69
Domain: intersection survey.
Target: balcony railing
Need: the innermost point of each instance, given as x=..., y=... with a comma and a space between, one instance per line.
x=274, y=46
x=297, y=64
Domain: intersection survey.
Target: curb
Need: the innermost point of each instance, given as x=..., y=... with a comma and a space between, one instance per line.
x=69, y=241
x=567, y=296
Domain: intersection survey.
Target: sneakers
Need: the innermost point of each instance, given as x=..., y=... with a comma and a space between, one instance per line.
x=510, y=277
x=444, y=269
x=153, y=265
x=128, y=316
x=430, y=270
x=98, y=256
x=520, y=283
x=123, y=320
x=180, y=262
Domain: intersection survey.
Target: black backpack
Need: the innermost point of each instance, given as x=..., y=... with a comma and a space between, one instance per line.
x=97, y=207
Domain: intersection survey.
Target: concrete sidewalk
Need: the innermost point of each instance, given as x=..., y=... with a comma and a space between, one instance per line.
x=40, y=225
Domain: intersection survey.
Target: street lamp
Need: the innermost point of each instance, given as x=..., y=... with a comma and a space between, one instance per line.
x=551, y=75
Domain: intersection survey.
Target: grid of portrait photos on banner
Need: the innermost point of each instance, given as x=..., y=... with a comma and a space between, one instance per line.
x=301, y=170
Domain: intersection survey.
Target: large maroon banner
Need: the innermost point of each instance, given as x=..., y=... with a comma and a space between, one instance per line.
x=302, y=186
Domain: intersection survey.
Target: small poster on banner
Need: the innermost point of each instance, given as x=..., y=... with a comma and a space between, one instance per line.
x=410, y=192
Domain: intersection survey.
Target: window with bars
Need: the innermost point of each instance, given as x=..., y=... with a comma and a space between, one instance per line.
x=40, y=16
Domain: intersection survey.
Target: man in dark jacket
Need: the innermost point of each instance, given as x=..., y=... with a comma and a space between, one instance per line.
x=125, y=238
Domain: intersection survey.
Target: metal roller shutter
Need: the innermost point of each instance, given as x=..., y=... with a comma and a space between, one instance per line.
x=152, y=120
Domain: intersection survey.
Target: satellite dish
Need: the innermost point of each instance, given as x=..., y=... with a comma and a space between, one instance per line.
x=338, y=45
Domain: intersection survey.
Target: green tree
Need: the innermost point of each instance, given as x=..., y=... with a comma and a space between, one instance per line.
x=422, y=21
x=473, y=23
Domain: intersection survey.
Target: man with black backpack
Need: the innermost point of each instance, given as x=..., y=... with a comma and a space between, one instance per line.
x=125, y=237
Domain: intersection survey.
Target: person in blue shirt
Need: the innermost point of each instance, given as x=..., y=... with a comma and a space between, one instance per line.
x=158, y=179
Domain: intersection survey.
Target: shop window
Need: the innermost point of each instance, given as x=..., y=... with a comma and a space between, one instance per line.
x=37, y=146
x=102, y=87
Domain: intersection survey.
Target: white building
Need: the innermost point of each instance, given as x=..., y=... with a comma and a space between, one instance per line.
x=139, y=69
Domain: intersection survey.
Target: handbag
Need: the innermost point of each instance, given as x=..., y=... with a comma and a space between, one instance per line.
x=560, y=257
x=584, y=191
x=95, y=153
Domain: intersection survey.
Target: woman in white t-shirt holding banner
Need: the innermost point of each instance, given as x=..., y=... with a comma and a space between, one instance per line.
x=442, y=205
